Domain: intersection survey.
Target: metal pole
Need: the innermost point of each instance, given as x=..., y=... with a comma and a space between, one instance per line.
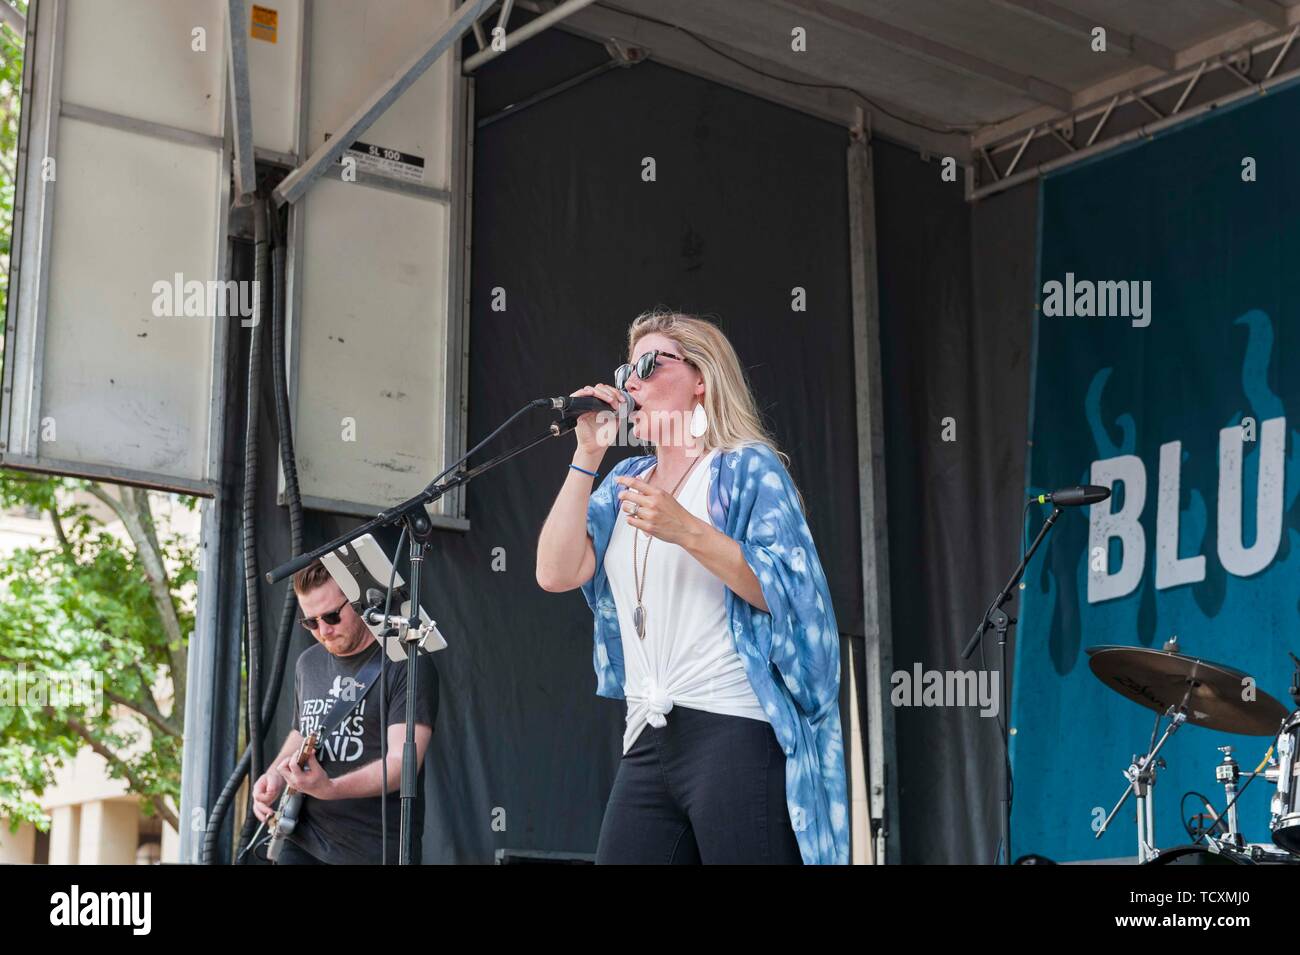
x=882, y=778
x=296, y=184
x=241, y=105
x=526, y=32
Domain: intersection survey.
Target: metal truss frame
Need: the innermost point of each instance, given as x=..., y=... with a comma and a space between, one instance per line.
x=1134, y=114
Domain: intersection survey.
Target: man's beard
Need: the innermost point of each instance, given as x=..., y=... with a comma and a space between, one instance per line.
x=340, y=648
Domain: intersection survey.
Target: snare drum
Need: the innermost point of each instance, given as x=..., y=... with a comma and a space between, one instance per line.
x=1284, y=815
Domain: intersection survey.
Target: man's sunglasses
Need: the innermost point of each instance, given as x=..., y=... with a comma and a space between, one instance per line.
x=645, y=367
x=333, y=618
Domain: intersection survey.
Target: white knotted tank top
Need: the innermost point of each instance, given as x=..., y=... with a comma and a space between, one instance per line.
x=688, y=657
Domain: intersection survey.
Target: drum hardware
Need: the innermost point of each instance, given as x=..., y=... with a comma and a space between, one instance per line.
x=1284, y=808
x=1200, y=855
x=1232, y=842
x=1207, y=823
x=1141, y=776
x=1227, y=773
x=1209, y=694
x=1261, y=854
x=1215, y=852
x=1230, y=847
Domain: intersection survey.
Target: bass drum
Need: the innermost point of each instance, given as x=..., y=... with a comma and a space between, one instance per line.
x=1196, y=855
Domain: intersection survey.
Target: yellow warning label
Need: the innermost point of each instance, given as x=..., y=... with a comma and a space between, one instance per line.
x=265, y=22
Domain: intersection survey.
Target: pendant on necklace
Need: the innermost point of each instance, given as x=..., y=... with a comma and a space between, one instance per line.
x=638, y=621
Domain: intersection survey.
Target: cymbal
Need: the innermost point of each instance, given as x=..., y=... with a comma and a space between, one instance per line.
x=1158, y=679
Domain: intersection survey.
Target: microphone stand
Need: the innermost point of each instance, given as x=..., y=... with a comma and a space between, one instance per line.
x=996, y=619
x=419, y=528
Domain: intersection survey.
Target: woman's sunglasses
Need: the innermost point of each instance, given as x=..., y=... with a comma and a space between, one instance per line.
x=333, y=618
x=645, y=367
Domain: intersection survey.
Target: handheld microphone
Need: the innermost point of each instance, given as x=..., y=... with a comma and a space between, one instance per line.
x=571, y=407
x=1074, y=496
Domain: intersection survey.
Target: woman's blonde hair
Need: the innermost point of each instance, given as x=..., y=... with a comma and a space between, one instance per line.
x=728, y=402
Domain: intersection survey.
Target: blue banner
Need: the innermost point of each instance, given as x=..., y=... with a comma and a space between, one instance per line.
x=1165, y=367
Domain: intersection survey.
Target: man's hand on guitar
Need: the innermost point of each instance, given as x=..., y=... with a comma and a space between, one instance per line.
x=265, y=791
x=310, y=779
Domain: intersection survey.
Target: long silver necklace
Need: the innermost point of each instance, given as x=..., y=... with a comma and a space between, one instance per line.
x=638, y=615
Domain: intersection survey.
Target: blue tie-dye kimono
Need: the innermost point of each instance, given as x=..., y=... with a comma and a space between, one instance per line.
x=791, y=653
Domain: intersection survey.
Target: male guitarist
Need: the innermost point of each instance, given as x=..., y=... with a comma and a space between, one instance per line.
x=339, y=822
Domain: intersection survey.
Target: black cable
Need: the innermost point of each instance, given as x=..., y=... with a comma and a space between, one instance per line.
x=220, y=806
x=252, y=844
x=1219, y=821
x=252, y=608
x=289, y=465
x=288, y=616
x=293, y=497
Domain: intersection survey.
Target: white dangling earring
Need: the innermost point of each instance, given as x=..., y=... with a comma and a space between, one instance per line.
x=699, y=421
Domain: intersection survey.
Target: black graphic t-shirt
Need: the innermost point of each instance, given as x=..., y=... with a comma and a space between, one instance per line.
x=347, y=831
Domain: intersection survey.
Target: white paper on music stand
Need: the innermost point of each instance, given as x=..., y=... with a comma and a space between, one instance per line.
x=366, y=559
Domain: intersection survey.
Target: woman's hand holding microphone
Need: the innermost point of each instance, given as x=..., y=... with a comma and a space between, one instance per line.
x=594, y=434
x=565, y=558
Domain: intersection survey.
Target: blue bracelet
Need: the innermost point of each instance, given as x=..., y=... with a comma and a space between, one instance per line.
x=584, y=470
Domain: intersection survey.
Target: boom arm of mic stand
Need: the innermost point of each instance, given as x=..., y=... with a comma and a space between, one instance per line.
x=1011, y=585
x=557, y=428
x=395, y=515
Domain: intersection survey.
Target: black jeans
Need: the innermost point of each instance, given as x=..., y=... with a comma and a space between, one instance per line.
x=706, y=788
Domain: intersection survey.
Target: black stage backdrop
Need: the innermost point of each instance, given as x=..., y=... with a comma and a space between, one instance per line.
x=749, y=202
x=956, y=301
